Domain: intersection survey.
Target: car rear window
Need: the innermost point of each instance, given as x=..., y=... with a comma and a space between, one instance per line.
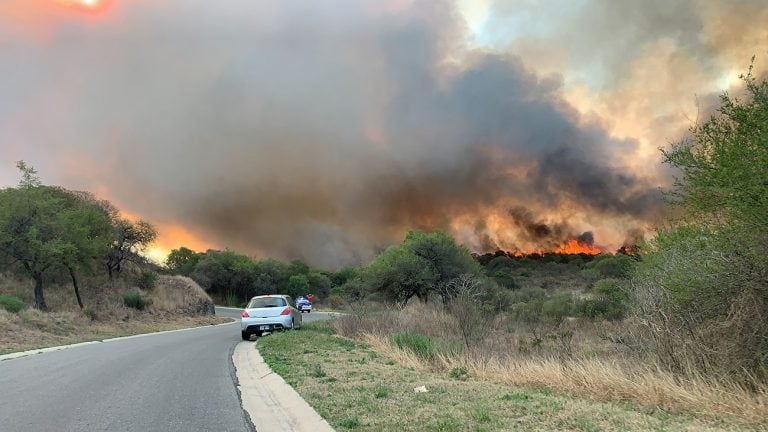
x=267, y=302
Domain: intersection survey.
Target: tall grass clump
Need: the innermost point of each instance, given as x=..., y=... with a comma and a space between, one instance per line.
x=136, y=301
x=146, y=280
x=420, y=344
x=12, y=303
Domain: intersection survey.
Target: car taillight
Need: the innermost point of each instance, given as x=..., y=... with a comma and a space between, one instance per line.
x=245, y=314
x=286, y=311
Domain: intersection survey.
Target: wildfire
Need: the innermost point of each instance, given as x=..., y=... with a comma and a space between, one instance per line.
x=574, y=246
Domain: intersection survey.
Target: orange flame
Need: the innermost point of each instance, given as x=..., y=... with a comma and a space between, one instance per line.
x=573, y=246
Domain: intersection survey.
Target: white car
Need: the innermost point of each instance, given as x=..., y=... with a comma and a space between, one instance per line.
x=269, y=313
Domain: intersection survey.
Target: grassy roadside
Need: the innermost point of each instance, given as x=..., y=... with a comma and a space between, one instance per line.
x=32, y=329
x=356, y=388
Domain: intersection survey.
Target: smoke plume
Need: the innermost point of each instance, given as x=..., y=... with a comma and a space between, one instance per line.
x=316, y=130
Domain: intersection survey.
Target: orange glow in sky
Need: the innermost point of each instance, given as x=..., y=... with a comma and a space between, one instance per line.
x=84, y=5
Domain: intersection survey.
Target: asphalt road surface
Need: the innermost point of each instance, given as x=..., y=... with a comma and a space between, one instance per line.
x=179, y=381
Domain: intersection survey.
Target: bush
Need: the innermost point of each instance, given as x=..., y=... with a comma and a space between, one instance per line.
x=459, y=373
x=146, y=280
x=90, y=313
x=349, y=422
x=12, y=304
x=701, y=286
x=557, y=308
x=136, y=301
x=335, y=301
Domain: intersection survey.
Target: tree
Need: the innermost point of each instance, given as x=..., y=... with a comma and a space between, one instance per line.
x=298, y=285
x=43, y=228
x=701, y=285
x=423, y=264
x=400, y=275
x=129, y=239
x=226, y=273
x=183, y=260
x=85, y=229
x=723, y=163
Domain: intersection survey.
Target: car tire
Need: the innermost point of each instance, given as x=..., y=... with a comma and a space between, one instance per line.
x=245, y=335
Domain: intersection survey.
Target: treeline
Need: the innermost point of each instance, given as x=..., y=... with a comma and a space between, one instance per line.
x=48, y=233
x=234, y=278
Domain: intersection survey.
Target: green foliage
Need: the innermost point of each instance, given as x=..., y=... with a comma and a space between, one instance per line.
x=556, y=308
x=381, y=391
x=617, y=266
x=459, y=373
x=343, y=275
x=182, y=261
x=420, y=344
x=418, y=267
x=611, y=300
x=399, y=275
x=46, y=229
x=723, y=164
x=135, y=300
x=11, y=303
x=700, y=285
x=298, y=285
x=349, y=422
x=505, y=279
x=146, y=280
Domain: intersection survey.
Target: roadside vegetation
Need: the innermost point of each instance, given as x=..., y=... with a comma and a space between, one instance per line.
x=357, y=386
x=72, y=269
x=675, y=324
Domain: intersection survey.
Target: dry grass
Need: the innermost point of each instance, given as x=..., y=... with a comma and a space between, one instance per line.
x=177, y=302
x=362, y=387
x=591, y=367
x=179, y=294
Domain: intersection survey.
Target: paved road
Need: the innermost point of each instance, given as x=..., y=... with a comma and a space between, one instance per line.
x=180, y=381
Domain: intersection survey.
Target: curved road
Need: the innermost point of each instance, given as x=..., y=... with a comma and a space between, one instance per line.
x=179, y=381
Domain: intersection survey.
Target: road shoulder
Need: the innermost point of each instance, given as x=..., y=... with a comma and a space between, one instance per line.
x=270, y=402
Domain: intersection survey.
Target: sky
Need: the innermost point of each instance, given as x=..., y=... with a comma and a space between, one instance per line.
x=324, y=131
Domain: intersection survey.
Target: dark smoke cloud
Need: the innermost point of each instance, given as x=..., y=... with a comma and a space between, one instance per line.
x=319, y=130
x=537, y=231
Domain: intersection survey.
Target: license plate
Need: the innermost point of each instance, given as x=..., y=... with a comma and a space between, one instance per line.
x=264, y=327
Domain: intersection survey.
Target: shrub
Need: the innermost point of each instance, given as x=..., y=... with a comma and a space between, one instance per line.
x=557, y=308
x=146, y=280
x=335, y=301
x=90, y=313
x=349, y=422
x=135, y=300
x=459, y=373
x=12, y=304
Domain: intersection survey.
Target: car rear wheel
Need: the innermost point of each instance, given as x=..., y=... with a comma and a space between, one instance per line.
x=245, y=335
